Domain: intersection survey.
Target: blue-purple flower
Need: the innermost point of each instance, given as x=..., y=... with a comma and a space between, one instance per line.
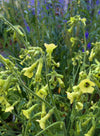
x=89, y=46
x=27, y=27
x=86, y=34
x=88, y=7
x=97, y=2
x=61, y=1
x=64, y=21
x=83, y=50
x=99, y=12
x=31, y=2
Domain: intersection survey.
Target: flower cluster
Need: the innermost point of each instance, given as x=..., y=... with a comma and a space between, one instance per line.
x=85, y=86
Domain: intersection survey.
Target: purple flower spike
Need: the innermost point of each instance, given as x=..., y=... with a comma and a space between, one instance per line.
x=83, y=50
x=65, y=21
x=89, y=46
x=28, y=28
x=47, y=7
x=97, y=2
x=61, y=1
x=86, y=34
x=99, y=12
x=32, y=2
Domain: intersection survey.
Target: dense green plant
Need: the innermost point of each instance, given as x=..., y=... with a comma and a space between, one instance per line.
x=33, y=96
x=37, y=95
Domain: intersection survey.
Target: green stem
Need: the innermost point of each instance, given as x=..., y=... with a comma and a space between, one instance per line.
x=65, y=131
x=51, y=95
x=29, y=90
x=74, y=76
x=20, y=37
x=31, y=119
x=84, y=59
x=26, y=129
x=52, y=125
x=71, y=118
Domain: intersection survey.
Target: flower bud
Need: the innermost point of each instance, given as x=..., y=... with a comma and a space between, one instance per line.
x=87, y=53
x=79, y=106
x=72, y=96
x=39, y=69
x=6, y=84
x=43, y=120
x=27, y=112
x=43, y=113
x=42, y=92
x=6, y=62
x=29, y=71
x=78, y=128
x=91, y=131
x=61, y=83
x=92, y=54
x=2, y=82
x=50, y=47
x=85, y=123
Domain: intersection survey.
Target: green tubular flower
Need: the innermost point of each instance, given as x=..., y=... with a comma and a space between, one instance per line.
x=43, y=120
x=91, y=131
x=76, y=88
x=27, y=112
x=29, y=71
x=73, y=40
x=2, y=82
x=82, y=75
x=50, y=47
x=43, y=113
x=78, y=128
x=39, y=69
x=2, y=99
x=86, y=86
x=56, y=64
x=79, y=106
x=83, y=21
x=18, y=29
x=92, y=54
x=75, y=21
x=42, y=92
x=61, y=82
x=86, y=122
x=70, y=29
x=72, y=96
x=6, y=84
x=49, y=50
x=97, y=76
x=6, y=62
x=8, y=107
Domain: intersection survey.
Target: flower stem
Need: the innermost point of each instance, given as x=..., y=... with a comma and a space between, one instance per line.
x=53, y=102
x=84, y=59
x=52, y=125
x=29, y=90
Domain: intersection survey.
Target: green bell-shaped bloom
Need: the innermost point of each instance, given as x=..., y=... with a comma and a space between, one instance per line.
x=39, y=70
x=50, y=47
x=42, y=121
x=27, y=112
x=29, y=71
